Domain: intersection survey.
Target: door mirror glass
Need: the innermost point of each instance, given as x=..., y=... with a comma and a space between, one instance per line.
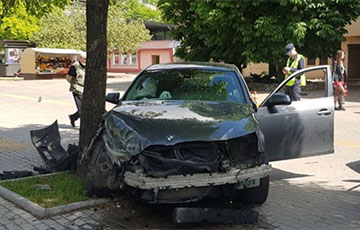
x=279, y=99
x=113, y=98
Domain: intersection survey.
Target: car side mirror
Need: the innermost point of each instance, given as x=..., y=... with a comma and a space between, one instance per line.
x=278, y=99
x=113, y=98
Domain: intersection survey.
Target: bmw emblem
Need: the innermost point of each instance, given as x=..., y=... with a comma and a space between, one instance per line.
x=170, y=138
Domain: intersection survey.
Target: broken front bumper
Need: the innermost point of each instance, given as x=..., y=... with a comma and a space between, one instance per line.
x=234, y=176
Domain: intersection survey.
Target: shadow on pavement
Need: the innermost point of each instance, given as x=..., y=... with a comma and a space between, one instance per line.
x=18, y=153
x=355, y=165
x=138, y=215
x=277, y=174
x=289, y=206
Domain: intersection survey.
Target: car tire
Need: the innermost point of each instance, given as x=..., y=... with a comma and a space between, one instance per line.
x=102, y=175
x=256, y=195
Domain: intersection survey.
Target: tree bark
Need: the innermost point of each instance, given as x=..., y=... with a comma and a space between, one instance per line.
x=272, y=70
x=93, y=102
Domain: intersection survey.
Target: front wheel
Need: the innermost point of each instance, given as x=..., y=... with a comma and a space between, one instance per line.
x=256, y=195
x=102, y=175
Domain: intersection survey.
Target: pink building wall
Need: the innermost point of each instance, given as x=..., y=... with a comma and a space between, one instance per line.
x=164, y=49
x=146, y=56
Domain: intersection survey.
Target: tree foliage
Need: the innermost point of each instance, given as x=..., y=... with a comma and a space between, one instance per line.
x=124, y=35
x=67, y=29
x=17, y=23
x=134, y=10
x=62, y=29
x=37, y=8
x=19, y=18
x=256, y=31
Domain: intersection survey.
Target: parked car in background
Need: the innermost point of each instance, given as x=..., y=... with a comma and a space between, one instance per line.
x=186, y=131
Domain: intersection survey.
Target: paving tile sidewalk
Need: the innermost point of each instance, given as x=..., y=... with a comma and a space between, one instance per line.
x=312, y=193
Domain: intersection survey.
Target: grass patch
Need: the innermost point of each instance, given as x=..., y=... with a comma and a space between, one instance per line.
x=65, y=188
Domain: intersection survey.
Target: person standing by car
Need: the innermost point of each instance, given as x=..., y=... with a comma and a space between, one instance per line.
x=294, y=63
x=339, y=76
x=76, y=78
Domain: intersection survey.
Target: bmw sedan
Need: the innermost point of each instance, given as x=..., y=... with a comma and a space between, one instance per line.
x=187, y=131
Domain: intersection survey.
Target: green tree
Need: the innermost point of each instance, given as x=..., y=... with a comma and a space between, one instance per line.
x=93, y=102
x=17, y=24
x=67, y=29
x=93, y=105
x=134, y=10
x=62, y=29
x=19, y=18
x=37, y=8
x=123, y=35
x=256, y=31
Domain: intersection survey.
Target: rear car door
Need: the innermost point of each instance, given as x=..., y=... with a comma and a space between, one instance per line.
x=302, y=128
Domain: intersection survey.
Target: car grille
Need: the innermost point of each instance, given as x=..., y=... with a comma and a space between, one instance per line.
x=198, y=157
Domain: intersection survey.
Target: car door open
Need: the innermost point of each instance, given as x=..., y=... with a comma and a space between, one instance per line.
x=299, y=128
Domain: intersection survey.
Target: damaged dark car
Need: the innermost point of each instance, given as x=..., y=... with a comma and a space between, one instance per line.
x=187, y=131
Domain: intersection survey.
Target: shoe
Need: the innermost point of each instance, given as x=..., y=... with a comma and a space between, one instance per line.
x=72, y=122
x=337, y=108
x=341, y=108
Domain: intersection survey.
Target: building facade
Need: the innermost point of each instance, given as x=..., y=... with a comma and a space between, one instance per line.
x=352, y=50
x=160, y=49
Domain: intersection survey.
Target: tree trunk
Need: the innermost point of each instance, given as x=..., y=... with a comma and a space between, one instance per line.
x=276, y=70
x=272, y=70
x=93, y=102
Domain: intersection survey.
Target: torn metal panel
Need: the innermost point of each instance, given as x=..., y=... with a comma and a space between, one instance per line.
x=201, y=157
x=47, y=143
x=140, y=180
x=212, y=215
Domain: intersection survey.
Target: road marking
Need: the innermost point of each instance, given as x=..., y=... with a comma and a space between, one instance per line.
x=347, y=143
x=36, y=99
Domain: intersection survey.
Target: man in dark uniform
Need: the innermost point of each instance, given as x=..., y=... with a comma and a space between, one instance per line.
x=294, y=63
x=76, y=78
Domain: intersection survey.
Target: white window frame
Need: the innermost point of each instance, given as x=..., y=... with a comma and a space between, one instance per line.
x=122, y=59
x=131, y=59
x=116, y=54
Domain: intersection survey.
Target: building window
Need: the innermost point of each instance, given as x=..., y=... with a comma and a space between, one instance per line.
x=133, y=59
x=159, y=35
x=168, y=36
x=124, y=59
x=116, y=58
x=155, y=59
x=311, y=61
x=324, y=61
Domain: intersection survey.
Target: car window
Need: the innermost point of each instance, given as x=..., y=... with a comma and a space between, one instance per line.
x=314, y=87
x=187, y=84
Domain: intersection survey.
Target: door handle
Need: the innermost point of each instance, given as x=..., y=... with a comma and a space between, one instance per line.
x=324, y=112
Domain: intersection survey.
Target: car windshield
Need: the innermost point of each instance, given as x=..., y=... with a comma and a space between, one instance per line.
x=187, y=84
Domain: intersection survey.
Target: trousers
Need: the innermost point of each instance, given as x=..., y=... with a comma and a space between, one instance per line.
x=77, y=99
x=294, y=91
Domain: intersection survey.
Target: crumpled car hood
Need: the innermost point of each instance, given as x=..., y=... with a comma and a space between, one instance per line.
x=131, y=127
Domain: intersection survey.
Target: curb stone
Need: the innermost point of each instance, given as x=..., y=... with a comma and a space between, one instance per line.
x=41, y=212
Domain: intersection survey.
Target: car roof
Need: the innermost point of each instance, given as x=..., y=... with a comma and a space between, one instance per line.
x=194, y=65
